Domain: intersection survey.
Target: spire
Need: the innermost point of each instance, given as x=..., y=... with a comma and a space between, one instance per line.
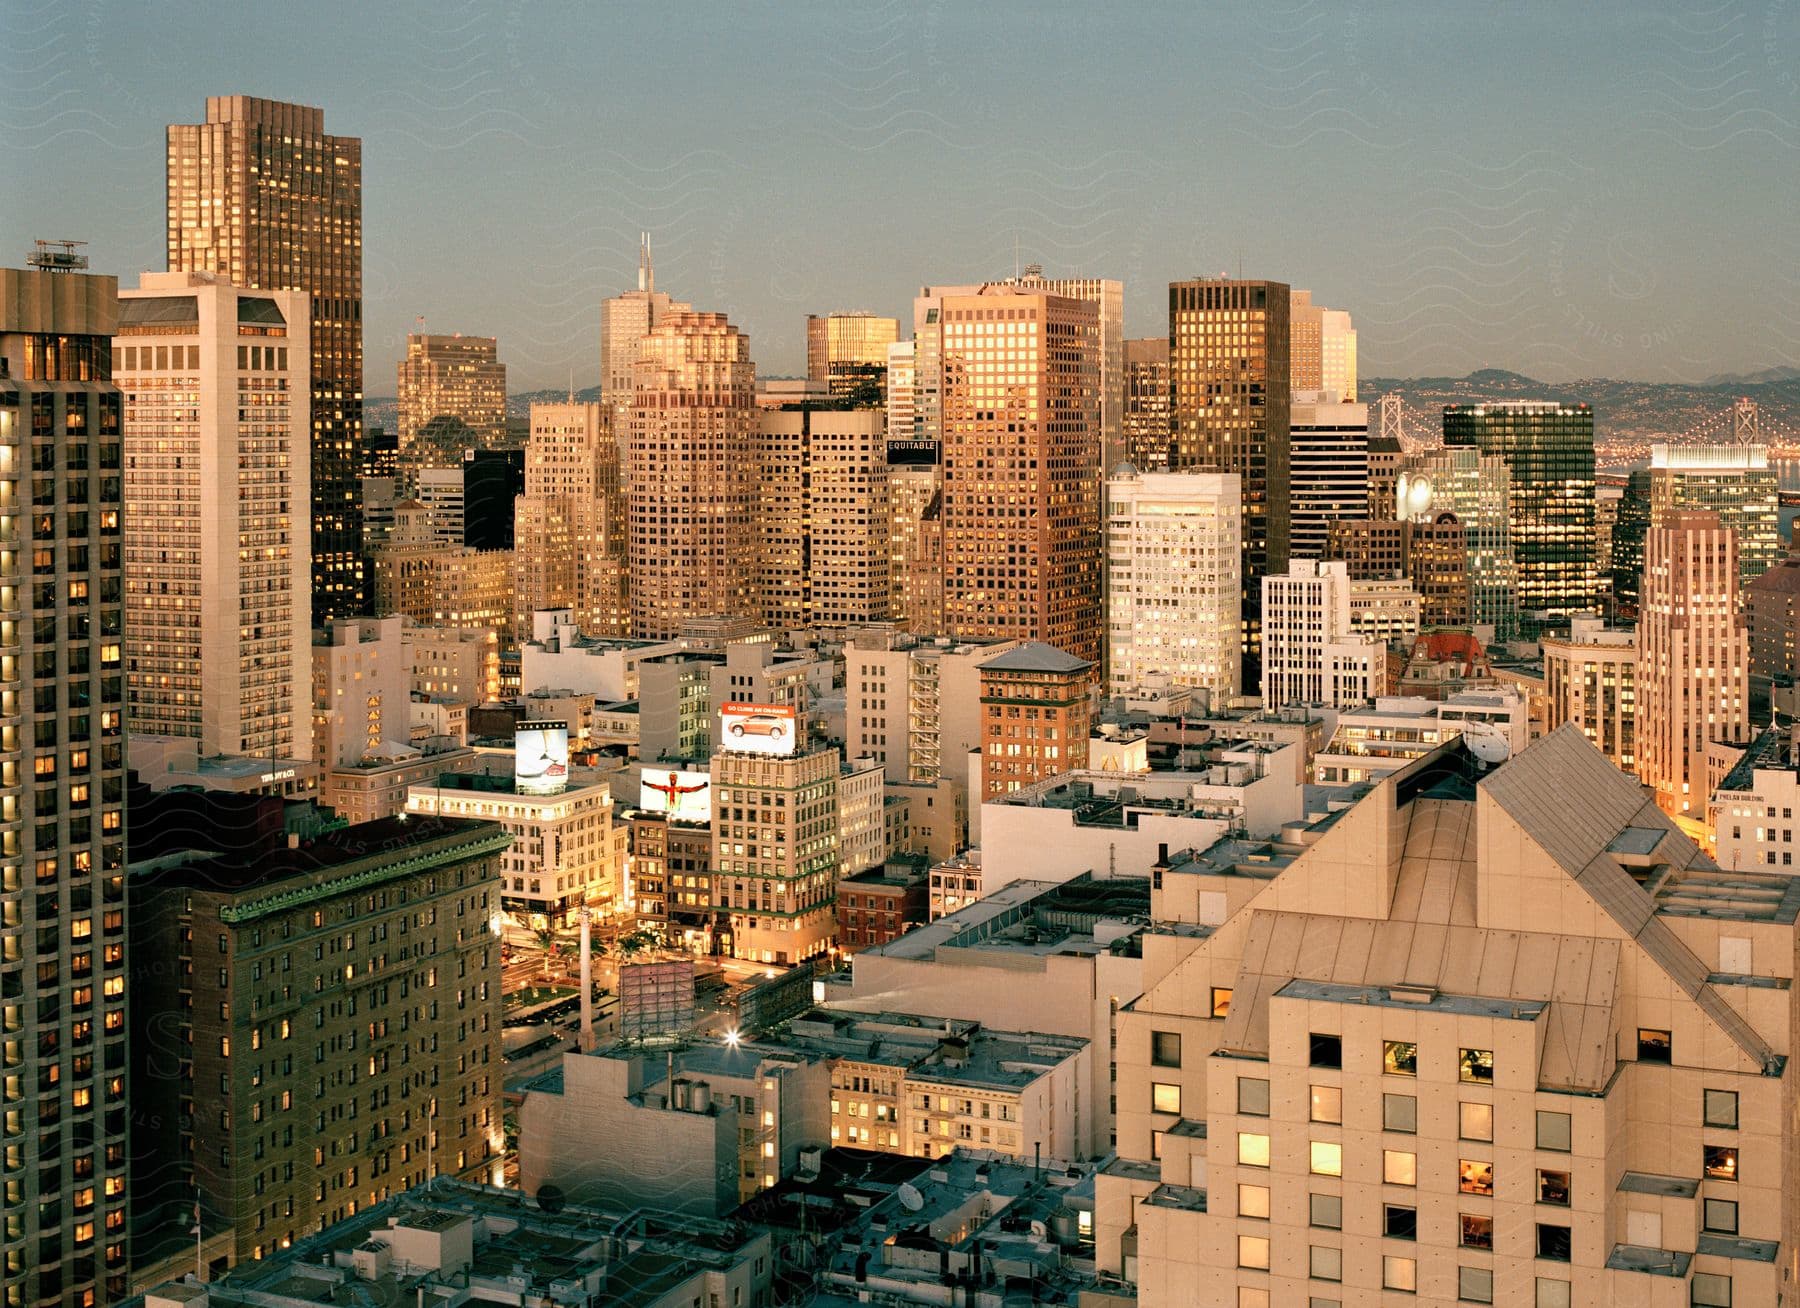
x=646, y=270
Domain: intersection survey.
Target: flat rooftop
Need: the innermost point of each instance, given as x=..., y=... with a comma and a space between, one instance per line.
x=1415, y=999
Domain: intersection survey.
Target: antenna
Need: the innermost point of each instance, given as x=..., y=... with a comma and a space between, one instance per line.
x=1015, y=256
x=910, y=1198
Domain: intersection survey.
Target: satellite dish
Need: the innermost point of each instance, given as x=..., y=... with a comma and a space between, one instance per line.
x=1486, y=743
x=910, y=1198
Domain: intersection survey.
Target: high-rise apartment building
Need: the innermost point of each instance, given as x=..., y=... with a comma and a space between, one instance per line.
x=823, y=552
x=1733, y=481
x=1329, y=469
x=1036, y=716
x=1590, y=679
x=260, y=194
x=692, y=469
x=1549, y=452
x=452, y=393
x=1021, y=467
x=1323, y=353
x=625, y=319
x=218, y=586
x=1173, y=542
x=847, y=353
x=569, y=526
x=62, y=837
x=1693, y=658
x=1772, y=610
x=1477, y=489
x=1144, y=417
x=1229, y=412
x=775, y=852
x=1314, y=655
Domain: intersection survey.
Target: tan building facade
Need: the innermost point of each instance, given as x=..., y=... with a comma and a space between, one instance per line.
x=1144, y=423
x=457, y=378
x=569, y=525
x=847, y=352
x=775, y=852
x=625, y=319
x=1590, y=679
x=823, y=518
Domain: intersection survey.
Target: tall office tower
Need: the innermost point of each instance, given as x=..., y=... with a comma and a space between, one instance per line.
x=1386, y=459
x=1313, y=655
x=493, y=480
x=1021, y=468
x=1693, y=657
x=380, y=453
x=692, y=497
x=847, y=353
x=62, y=839
x=1144, y=418
x=916, y=546
x=1431, y=552
x=1590, y=679
x=1772, y=612
x=1323, y=350
x=1733, y=481
x=625, y=319
x=1549, y=450
x=1477, y=489
x=1229, y=412
x=452, y=393
x=1607, y=499
x=218, y=585
x=1036, y=716
x=902, y=380
x=569, y=525
x=1329, y=469
x=1629, y=528
x=1172, y=587
x=775, y=852
x=823, y=550
x=262, y=196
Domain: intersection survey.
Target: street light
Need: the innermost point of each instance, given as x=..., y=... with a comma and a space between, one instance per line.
x=733, y=1038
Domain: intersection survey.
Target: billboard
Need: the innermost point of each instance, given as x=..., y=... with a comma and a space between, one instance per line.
x=541, y=758
x=757, y=728
x=912, y=453
x=656, y=998
x=684, y=796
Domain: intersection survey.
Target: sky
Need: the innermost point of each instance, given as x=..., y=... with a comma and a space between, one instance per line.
x=1562, y=189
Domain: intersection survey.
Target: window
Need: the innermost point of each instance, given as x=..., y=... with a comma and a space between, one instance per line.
x=1553, y=1242
x=1252, y=1296
x=1221, y=1001
x=1553, y=1131
x=1721, y=1162
x=1553, y=1188
x=1654, y=1046
x=1476, y=1066
x=1720, y=1215
x=1399, y=1168
x=1253, y=1251
x=1476, y=1121
x=1326, y=1050
x=1314, y=1301
x=1474, y=1285
x=1253, y=1201
x=1475, y=1231
x=1400, y=1113
x=1253, y=1096
x=1400, y=1058
x=1327, y=1159
x=1327, y=1103
x=1326, y=1263
x=1710, y=1291
x=1326, y=1211
x=1253, y=1150
x=1398, y=1222
x=1722, y=1109
x=1475, y=1177
x=1552, y=1294
x=1165, y=1098
x=1165, y=1049
x=1399, y=1274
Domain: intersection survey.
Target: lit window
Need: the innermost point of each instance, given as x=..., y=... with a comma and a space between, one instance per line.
x=1253, y=1252
x=1722, y=1162
x=1476, y=1066
x=1553, y=1188
x=1398, y=1168
x=1400, y=1058
x=1476, y=1231
x=1655, y=1046
x=1253, y=1150
x=1327, y=1159
x=1165, y=1098
x=1221, y=1001
x=1475, y=1177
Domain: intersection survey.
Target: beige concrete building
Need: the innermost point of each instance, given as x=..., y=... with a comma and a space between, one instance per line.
x=1489, y=1036
x=1323, y=349
x=823, y=518
x=1692, y=680
x=625, y=319
x=569, y=525
x=692, y=475
x=218, y=577
x=362, y=689
x=1590, y=679
x=916, y=547
x=902, y=383
x=452, y=394
x=1751, y=812
x=460, y=662
x=862, y=827
x=1312, y=653
x=846, y=352
x=434, y=585
x=376, y=786
x=775, y=852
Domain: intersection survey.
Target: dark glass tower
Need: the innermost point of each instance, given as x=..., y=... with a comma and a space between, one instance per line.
x=1549, y=450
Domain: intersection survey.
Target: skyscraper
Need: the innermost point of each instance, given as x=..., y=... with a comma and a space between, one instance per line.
x=1021, y=467
x=1629, y=528
x=452, y=393
x=1323, y=353
x=1549, y=452
x=218, y=584
x=1312, y=653
x=848, y=352
x=1733, y=481
x=902, y=420
x=823, y=521
x=62, y=837
x=262, y=196
x=1172, y=591
x=1477, y=489
x=569, y=527
x=1144, y=423
x=625, y=319
x=1229, y=412
x=692, y=494
x=1693, y=658
x=916, y=544
x=1329, y=468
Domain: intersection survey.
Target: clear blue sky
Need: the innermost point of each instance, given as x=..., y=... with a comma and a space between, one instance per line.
x=1567, y=189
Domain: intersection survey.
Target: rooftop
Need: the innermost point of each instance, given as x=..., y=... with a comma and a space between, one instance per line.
x=1035, y=656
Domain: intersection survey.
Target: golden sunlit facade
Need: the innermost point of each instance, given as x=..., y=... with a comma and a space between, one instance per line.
x=848, y=351
x=459, y=377
x=569, y=525
x=823, y=518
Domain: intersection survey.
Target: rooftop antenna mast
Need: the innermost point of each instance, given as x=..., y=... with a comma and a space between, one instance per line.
x=646, y=269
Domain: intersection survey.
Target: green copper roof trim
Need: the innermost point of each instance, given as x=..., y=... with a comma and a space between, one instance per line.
x=288, y=898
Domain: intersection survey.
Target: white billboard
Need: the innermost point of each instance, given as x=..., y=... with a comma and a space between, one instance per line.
x=684, y=796
x=541, y=757
x=757, y=728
